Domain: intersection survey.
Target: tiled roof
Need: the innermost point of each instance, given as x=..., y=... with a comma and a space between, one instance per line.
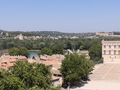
x=52, y=57
x=10, y=64
x=84, y=52
x=10, y=60
x=46, y=63
x=57, y=66
x=55, y=72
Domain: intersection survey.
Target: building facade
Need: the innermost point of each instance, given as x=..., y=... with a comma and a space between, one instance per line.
x=111, y=51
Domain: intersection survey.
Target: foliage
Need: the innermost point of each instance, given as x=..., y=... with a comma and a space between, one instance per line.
x=15, y=51
x=33, y=57
x=57, y=49
x=95, y=52
x=66, y=43
x=32, y=74
x=24, y=76
x=45, y=51
x=75, y=67
x=9, y=81
x=23, y=51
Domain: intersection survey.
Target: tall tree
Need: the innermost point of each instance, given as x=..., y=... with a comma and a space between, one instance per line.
x=32, y=75
x=95, y=52
x=23, y=51
x=57, y=49
x=9, y=81
x=75, y=67
x=15, y=51
x=45, y=51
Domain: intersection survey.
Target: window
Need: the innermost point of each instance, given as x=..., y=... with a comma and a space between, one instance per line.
x=119, y=52
x=119, y=46
x=12, y=62
x=114, y=46
x=104, y=46
x=109, y=51
x=4, y=63
x=104, y=51
x=109, y=46
x=114, y=51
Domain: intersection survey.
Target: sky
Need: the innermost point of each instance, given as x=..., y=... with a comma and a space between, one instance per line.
x=73, y=16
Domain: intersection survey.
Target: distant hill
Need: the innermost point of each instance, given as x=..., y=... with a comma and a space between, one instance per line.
x=2, y=30
x=56, y=33
x=46, y=33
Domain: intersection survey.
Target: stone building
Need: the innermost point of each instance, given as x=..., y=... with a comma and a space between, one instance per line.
x=104, y=33
x=111, y=51
x=21, y=37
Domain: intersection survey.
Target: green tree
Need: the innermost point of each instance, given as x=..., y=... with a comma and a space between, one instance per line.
x=95, y=52
x=57, y=49
x=68, y=44
x=23, y=51
x=41, y=45
x=33, y=57
x=13, y=51
x=9, y=81
x=26, y=76
x=32, y=75
x=75, y=67
x=10, y=44
x=29, y=45
x=45, y=51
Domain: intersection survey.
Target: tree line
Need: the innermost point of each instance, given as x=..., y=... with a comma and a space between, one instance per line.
x=81, y=43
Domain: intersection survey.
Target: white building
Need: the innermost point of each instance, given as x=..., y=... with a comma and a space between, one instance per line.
x=111, y=51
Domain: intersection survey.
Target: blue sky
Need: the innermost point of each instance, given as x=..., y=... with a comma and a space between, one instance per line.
x=60, y=15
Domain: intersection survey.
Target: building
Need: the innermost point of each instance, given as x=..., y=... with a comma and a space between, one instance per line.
x=104, y=33
x=68, y=52
x=21, y=37
x=9, y=61
x=79, y=52
x=111, y=51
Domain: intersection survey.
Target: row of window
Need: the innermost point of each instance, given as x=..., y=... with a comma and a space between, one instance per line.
x=112, y=46
x=111, y=52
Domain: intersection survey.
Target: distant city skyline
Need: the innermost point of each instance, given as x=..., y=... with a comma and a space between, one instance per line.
x=71, y=16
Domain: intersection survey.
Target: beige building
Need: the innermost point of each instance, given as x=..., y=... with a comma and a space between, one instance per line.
x=111, y=51
x=104, y=33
